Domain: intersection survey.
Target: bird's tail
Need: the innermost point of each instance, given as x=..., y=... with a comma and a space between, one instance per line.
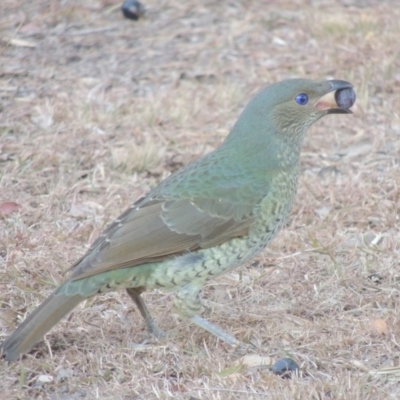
x=37, y=324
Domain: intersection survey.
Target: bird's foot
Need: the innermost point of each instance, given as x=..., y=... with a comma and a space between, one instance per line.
x=240, y=347
x=244, y=348
x=153, y=334
x=154, y=330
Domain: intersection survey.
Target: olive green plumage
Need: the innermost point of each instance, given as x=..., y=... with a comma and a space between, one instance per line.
x=204, y=220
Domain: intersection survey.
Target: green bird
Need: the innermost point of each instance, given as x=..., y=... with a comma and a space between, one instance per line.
x=204, y=220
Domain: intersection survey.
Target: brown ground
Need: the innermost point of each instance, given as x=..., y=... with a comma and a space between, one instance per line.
x=96, y=109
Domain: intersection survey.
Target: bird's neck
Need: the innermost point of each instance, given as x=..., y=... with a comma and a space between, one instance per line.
x=264, y=151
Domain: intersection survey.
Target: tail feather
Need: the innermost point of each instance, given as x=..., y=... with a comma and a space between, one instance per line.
x=37, y=324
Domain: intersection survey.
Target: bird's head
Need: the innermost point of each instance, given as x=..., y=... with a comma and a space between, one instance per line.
x=279, y=115
x=271, y=128
x=295, y=104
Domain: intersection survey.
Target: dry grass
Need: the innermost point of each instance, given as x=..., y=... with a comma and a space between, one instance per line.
x=80, y=87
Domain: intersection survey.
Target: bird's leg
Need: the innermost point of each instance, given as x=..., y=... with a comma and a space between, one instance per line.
x=152, y=327
x=187, y=303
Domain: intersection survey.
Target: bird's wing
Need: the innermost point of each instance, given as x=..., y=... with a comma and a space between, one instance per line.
x=155, y=229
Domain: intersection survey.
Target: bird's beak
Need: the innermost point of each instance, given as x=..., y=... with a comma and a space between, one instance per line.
x=339, y=99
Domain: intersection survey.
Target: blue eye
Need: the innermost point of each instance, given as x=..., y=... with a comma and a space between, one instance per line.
x=302, y=99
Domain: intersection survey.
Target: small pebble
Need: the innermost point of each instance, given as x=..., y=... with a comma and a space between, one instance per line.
x=345, y=98
x=284, y=367
x=132, y=9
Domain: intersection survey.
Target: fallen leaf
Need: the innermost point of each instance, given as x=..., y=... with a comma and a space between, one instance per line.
x=8, y=207
x=45, y=378
x=360, y=365
x=22, y=43
x=380, y=326
x=254, y=360
x=322, y=212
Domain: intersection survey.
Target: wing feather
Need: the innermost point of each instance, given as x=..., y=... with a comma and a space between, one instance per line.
x=157, y=228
